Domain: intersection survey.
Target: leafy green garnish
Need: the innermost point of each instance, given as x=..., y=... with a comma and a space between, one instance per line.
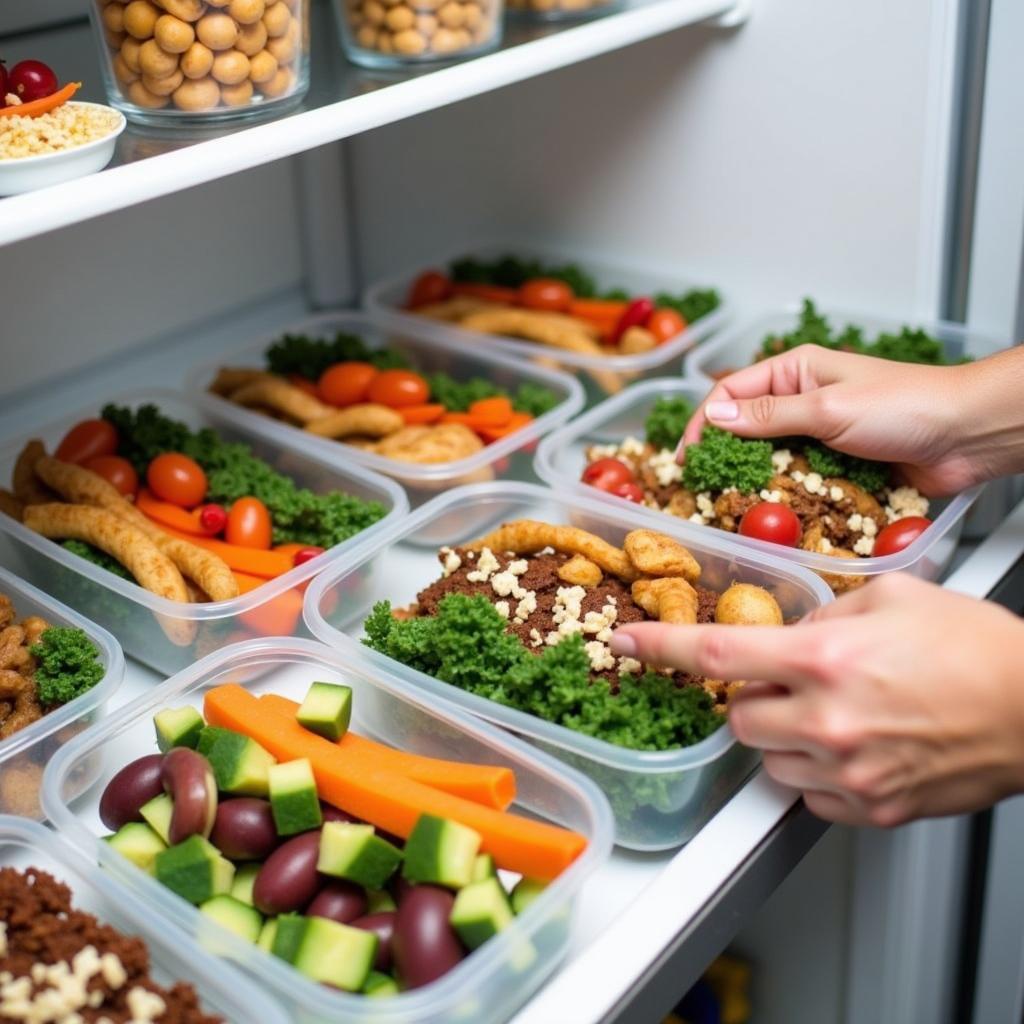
x=68, y=664
x=466, y=644
x=870, y=475
x=97, y=557
x=233, y=472
x=667, y=420
x=691, y=305
x=459, y=395
x=309, y=357
x=720, y=460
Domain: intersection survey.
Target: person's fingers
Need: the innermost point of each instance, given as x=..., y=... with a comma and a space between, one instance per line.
x=801, y=771
x=774, y=722
x=855, y=602
x=835, y=808
x=772, y=415
x=719, y=652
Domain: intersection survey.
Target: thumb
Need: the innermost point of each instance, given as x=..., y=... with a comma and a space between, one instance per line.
x=770, y=415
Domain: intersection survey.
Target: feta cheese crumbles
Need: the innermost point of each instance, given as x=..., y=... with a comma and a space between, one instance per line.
x=666, y=470
x=905, y=501
x=69, y=126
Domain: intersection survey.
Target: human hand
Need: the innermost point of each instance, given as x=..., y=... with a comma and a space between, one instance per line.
x=946, y=427
x=898, y=701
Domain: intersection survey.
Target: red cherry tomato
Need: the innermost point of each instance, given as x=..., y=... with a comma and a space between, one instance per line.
x=249, y=524
x=118, y=472
x=665, y=324
x=307, y=554
x=345, y=383
x=607, y=474
x=31, y=80
x=899, y=535
x=772, y=521
x=630, y=491
x=546, y=293
x=431, y=286
x=177, y=479
x=213, y=518
x=636, y=314
x=398, y=388
x=86, y=440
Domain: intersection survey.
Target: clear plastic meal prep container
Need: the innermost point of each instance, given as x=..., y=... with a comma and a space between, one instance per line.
x=167, y=634
x=509, y=457
x=561, y=459
x=660, y=799
x=489, y=984
x=24, y=755
x=739, y=344
x=601, y=375
x=221, y=989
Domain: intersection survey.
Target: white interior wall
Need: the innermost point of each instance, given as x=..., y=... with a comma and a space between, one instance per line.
x=799, y=154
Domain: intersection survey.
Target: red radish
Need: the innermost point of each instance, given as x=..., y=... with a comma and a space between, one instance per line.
x=31, y=80
x=213, y=518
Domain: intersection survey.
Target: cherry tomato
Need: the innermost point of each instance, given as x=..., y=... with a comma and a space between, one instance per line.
x=899, y=535
x=665, y=324
x=31, y=80
x=546, y=293
x=118, y=472
x=249, y=524
x=177, y=479
x=630, y=491
x=636, y=314
x=213, y=518
x=772, y=521
x=86, y=440
x=431, y=286
x=307, y=554
x=607, y=474
x=398, y=388
x=346, y=383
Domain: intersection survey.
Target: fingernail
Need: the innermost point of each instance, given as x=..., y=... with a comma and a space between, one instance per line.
x=723, y=412
x=623, y=644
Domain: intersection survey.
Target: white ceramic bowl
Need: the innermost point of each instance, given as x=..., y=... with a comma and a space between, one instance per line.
x=28, y=173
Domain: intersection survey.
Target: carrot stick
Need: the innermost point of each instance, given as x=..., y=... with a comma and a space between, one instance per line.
x=597, y=309
x=517, y=422
x=487, y=292
x=276, y=617
x=490, y=785
x=497, y=407
x=39, y=107
x=415, y=415
x=254, y=561
x=165, y=514
x=389, y=801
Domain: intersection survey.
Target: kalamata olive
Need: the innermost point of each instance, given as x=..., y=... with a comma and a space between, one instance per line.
x=288, y=880
x=399, y=887
x=244, y=829
x=382, y=925
x=134, y=785
x=331, y=813
x=424, y=945
x=188, y=777
x=340, y=901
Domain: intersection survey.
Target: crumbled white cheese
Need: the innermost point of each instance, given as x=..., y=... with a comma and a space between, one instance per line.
x=825, y=546
x=602, y=451
x=486, y=566
x=864, y=545
x=145, y=1006
x=3, y=938
x=452, y=562
x=546, y=551
x=518, y=567
x=503, y=609
x=814, y=483
x=632, y=446
x=526, y=607
x=772, y=496
x=629, y=665
x=870, y=528
x=704, y=502
x=666, y=470
x=601, y=658
x=507, y=583
x=113, y=970
x=905, y=501
x=855, y=523
x=535, y=638
x=836, y=493
x=797, y=476
x=782, y=459
x=697, y=518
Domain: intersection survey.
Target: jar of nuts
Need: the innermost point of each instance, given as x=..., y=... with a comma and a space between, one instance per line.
x=394, y=33
x=562, y=10
x=203, y=60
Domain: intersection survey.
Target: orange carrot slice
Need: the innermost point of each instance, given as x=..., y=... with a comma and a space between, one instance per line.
x=359, y=785
x=416, y=415
x=165, y=514
x=490, y=785
x=517, y=422
x=39, y=107
x=499, y=407
x=597, y=309
x=254, y=561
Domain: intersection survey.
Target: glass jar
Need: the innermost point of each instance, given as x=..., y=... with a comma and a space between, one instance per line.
x=173, y=61
x=396, y=33
x=562, y=10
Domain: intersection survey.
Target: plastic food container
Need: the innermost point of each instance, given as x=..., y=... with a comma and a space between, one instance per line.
x=221, y=989
x=385, y=34
x=165, y=634
x=660, y=799
x=508, y=457
x=24, y=755
x=186, y=62
x=601, y=375
x=561, y=459
x=489, y=985
x=562, y=10
x=740, y=344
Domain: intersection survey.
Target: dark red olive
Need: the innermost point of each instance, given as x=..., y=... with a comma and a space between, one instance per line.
x=340, y=901
x=134, y=785
x=331, y=813
x=32, y=80
x=244, y=829
x=382, y=925
x=288, y=880
x=399, y=886
x=424, y=945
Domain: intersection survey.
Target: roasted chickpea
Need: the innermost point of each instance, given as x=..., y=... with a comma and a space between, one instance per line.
x=187, y=10
x=238, y=95
x=155, y=62
x=262, y=67
x=374, y=12
x=451, y=15
x=130, y=52
x=472, y=16
x=398, y=19
x=139, y=19
x=251, y=39
x=197, y=61
x=277, y=18
x=173, y=34
x=427, y=24
x=230, y=67
x=279, y=85
x=202, y=94
x=122, y=72
x=366, y=37
x=163, y=86
x=217, y=31
x=384, y=41
x=444, y=40
x=285, y=48
x=142, y=97
x=409, y=42
x=246, y=12
x=113, y=18
x=218, y=3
